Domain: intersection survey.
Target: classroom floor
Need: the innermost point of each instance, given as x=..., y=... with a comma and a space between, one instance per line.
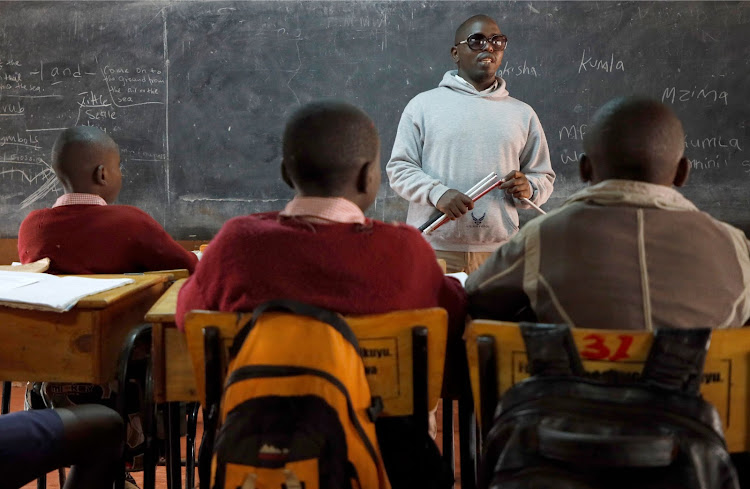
x=161, y=477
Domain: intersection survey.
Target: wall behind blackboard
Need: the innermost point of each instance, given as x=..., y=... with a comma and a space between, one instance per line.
x=196, y=93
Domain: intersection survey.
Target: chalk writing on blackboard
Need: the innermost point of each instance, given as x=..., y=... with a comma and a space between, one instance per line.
x=678, y=94
x=608, y=65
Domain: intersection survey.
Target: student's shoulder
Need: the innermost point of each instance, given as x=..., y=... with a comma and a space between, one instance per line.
x=64, y=211
x=250, y=225
x=36, y=214
x=125, y=212
x=406, y=233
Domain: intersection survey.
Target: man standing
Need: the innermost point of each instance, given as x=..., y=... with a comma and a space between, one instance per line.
x=451, y=137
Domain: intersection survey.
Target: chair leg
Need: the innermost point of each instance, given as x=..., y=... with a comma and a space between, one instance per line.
x=150, y=454
x=192, y=425
x=5, y=408
x=419, y=379
x=449, y=456
x=174, y=458
x=466, y=429
x=61, y=476
x=214, y=382
x=488, y=396
x=141, y=333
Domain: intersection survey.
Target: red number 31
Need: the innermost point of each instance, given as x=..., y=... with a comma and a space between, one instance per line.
x=595, y=349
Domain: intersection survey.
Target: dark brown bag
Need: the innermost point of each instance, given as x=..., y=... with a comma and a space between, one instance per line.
x=562, y=430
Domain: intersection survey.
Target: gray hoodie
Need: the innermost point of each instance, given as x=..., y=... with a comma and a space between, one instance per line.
x=452, y=137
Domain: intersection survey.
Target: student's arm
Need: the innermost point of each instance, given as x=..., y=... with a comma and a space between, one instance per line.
x=496, y=289
x=404, y=169
x=158, y=251
x=190, y=297
x=197, y=291
x=535, y=163
x=215, y=277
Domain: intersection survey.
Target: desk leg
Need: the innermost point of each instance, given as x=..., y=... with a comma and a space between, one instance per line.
x=174, y=458
x=5, y=409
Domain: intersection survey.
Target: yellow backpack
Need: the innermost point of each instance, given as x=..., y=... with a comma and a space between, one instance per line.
x=296, y=412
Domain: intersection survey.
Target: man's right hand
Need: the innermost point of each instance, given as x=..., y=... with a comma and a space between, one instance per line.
x=454, y=204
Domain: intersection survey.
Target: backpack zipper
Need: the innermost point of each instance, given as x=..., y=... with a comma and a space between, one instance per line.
x=563, y=406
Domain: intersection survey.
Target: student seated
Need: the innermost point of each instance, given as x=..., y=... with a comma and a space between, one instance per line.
x=321, y=249
x=628, y=252
x=88, y=438
x=81, y=233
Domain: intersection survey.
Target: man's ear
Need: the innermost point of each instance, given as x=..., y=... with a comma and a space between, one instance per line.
x=584, y=168
x=100, y=175
x=285, y=176
x=363, y=178
x=683, y=171
x=454, y=54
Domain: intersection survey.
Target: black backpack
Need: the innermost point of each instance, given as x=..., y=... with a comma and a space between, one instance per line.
x=562, y=430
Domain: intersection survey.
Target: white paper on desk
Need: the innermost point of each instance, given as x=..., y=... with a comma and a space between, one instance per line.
x=13, y=280
x=460, y=276
x=60, y=294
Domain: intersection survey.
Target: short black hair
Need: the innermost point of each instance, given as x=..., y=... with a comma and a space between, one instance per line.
x=635, y=138
x=91, y=139
x=461, y=35
x=82, y=134
x=325, y=143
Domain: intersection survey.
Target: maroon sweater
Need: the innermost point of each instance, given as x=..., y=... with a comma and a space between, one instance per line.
x=349, y=268
x=99, y=239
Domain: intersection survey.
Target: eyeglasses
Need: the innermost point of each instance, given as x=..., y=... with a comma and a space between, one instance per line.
x=478, y=42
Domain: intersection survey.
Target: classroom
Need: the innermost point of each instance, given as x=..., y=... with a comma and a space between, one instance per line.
x=197, y=96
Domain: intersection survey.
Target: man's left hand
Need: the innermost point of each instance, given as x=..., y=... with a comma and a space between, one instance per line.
x=517, y=185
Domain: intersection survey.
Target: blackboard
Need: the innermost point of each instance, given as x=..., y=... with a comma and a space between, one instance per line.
x=196, y=93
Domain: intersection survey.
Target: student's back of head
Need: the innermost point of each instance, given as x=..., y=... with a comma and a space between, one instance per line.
x=332, y=149
x=87, y=161
x=634, y=138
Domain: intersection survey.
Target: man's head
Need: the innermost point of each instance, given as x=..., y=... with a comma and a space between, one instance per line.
x=86, y=160
x=331, y=149
x=479, y=65
x=633, y=138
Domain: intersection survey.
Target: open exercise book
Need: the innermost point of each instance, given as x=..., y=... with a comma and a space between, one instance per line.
x=45, y=292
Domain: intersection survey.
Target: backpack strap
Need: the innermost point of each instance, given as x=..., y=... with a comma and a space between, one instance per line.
x=551, y=350
x=288, y=305
x=676, y=359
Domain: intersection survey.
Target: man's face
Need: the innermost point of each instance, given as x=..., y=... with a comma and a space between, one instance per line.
x=478, y=67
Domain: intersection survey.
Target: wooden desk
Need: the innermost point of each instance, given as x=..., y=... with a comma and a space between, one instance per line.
x=173, y=371
x=80, y=345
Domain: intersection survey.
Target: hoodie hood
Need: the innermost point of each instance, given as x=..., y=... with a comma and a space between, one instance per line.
x=450, y=81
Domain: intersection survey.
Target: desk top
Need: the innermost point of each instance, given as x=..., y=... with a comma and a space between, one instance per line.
x=108, y=297
x=163, y=310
